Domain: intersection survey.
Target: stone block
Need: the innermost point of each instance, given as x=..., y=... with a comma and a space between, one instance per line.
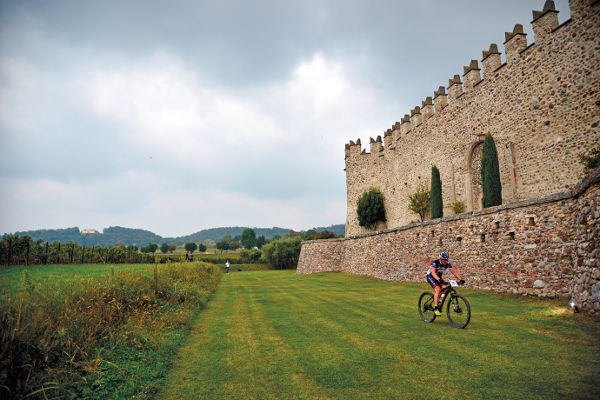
x=538, y=284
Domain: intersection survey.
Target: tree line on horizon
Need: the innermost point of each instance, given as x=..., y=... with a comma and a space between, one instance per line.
x=23, y=250
x=128, y=236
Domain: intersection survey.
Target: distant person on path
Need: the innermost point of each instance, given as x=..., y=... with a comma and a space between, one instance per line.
x=434, y=277
x=227, y=267
x=187, y=256
x=191, y=256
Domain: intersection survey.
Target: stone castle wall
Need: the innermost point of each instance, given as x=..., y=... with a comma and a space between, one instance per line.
x=546, y=247
x=542, y=107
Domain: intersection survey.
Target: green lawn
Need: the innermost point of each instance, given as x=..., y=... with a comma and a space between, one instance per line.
x=278, y=335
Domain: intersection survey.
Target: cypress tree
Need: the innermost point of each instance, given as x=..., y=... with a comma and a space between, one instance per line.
x=437, y=208
x=490, y=173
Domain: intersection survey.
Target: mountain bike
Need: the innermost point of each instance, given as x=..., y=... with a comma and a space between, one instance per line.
x=457, y=309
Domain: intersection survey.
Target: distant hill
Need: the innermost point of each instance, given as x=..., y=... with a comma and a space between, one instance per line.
x=217, y=233
x=116, y=234
x=339, y=229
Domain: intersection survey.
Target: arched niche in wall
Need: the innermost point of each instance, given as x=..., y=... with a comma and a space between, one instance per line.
x=508, y=172
x=473, y=188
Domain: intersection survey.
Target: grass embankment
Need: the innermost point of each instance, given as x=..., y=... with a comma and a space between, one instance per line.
x=96, y=331
x=278, y=335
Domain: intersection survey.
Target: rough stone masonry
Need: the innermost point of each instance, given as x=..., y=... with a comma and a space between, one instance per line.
x=542, y=106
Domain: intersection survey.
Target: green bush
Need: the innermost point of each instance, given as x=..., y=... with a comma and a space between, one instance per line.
x=458, y=207
x=370, y=208
x=283, y=253
x=250, y=256
x=437, y=207
x=490, y=173
x=420, y=201
x=323, y=235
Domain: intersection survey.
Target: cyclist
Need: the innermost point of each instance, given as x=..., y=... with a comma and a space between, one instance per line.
x=434, y=277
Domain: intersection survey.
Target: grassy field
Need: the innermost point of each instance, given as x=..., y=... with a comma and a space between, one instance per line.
x=278, y=335
x=11, y=277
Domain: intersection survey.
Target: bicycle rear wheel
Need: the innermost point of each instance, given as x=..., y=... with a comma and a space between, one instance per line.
x=426, y=307
x=459, y=311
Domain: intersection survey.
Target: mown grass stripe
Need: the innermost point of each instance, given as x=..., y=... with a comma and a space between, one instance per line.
x=292, y=380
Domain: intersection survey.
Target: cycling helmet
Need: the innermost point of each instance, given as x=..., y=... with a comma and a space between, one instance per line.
x=444, y=255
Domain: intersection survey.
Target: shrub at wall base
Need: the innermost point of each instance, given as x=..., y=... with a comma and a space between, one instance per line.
x=370, y=208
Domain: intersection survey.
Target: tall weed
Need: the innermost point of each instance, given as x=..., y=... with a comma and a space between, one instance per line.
x=62, y=338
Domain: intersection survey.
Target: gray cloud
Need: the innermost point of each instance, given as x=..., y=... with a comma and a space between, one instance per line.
x=232, y=112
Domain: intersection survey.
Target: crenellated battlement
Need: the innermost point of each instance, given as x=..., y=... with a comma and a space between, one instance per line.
x=472, y=75
x=491, y=61
x=441, y=99
x=406, y=124
x=543, y=23
x=515, y=43
x=427, y=108
x=455, y=88
x=541, y=105
x=376, y=145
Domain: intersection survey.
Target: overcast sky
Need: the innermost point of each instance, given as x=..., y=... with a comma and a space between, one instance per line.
x=175, y=116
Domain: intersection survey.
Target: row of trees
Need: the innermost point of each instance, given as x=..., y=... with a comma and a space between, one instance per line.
x=424, y=201
x=279, y=252
x=15, y=249
x=248, y=240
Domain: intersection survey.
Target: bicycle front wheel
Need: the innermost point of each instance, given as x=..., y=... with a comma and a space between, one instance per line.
x=426, y=307
x=459, y=311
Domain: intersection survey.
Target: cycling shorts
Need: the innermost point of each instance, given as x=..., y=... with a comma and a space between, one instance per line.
x=432, y=281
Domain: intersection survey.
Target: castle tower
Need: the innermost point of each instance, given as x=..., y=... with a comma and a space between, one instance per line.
x=539, y=105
